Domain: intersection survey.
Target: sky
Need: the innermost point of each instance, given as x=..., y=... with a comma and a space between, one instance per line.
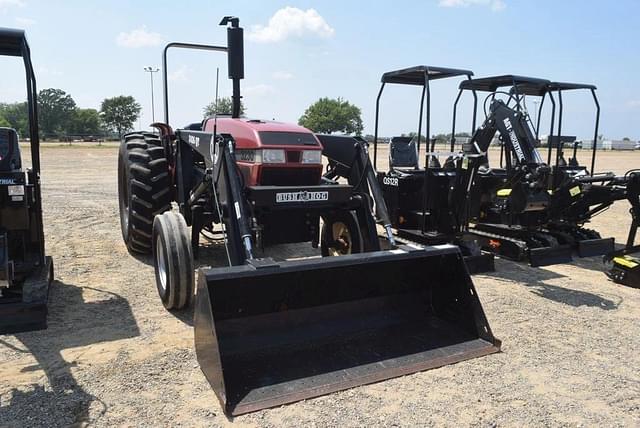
x=299, y=51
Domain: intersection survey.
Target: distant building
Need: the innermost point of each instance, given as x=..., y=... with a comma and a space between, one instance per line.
x=605, y=144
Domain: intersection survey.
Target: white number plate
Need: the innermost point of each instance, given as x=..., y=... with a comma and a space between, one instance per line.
x=301, y=197
x=390, y=181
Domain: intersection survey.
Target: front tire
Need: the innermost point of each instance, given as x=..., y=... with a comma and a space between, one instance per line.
x=173, y=260
x=143, y=188
x=340, y=235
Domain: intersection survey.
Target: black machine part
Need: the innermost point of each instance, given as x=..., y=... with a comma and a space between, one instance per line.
x=270, y=333
x=144, y=188
x=25, y=271
x=528, y=178
x=173, y=260
x=623, y=266
x=10, y=159
x=349, y=158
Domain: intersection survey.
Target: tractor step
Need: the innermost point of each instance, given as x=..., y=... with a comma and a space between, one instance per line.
x=28, y=311
x=19, y=317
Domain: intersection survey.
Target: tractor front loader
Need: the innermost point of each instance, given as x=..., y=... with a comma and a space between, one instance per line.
x=271, y=330
x=25, y=271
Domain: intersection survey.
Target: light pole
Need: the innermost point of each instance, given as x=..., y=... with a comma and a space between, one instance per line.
x=152, y=70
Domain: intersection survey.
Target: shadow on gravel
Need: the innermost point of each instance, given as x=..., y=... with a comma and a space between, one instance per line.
x=535, y=278
x=72, y=323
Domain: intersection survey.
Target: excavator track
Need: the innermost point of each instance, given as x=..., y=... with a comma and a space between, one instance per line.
x=516, y=249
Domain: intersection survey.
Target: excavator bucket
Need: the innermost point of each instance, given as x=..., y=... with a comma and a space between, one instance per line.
x=270, y=333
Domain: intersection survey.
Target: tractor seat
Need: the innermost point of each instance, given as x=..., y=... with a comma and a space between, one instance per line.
x=403, y=153
x=10, y=160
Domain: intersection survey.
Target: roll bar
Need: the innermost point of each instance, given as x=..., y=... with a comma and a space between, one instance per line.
x=235, y=60
x=421, y=75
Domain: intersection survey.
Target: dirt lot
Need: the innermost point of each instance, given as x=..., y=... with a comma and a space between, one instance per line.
x=113, y=356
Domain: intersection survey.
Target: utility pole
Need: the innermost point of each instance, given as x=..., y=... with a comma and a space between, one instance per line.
x=152, y=70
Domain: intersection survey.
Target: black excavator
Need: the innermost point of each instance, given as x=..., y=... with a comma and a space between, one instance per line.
x=583, y=193
x=25, y=271
x=419, y=195
x=529, y=209
x=508, y=205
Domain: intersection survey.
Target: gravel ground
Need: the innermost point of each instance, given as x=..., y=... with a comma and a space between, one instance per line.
x=113, y=356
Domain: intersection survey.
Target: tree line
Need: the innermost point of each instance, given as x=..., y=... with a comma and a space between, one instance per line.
x=60, y=117
x=324, y=116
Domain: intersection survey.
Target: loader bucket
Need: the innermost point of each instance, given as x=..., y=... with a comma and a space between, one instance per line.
x=270, y=333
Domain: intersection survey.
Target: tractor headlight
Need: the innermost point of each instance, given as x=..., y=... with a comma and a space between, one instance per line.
x=312, y=156
x=273, y=156
x=16, y=190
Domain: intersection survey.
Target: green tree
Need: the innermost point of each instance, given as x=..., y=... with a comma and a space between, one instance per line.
x=332, y=115
x=55, y=111
x=85, y=121
x=4, y=123
x=17, y=116
x=225, y=106
x=120, y=113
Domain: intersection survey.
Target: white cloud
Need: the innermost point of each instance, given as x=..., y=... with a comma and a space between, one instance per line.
x=179, y=75
x=24, y=22
x=633, y=103
x=291, y=22
x=282, y=75
x=5, y=5
x=138, y=38
x=260, y=90
x=495, y=5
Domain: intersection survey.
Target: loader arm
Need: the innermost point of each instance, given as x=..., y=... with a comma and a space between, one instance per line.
x=224, y=181
x=349, y=158
x=527, y=173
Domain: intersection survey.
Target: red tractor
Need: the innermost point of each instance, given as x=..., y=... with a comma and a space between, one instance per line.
x=270, y=331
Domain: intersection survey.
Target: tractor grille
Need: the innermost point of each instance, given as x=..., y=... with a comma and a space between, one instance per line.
x=290, y=177
x=293, y=156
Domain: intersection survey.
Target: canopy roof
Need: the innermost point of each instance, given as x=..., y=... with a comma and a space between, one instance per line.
x=539, y=90
x=416, y=75
x=491, y=84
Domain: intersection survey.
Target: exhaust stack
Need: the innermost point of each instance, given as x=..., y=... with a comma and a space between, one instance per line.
x=235, y=58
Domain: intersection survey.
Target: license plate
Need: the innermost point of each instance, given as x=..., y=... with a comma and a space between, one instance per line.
x=304, y=196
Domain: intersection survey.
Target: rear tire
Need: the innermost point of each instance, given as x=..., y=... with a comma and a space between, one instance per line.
x=340, y=235
x=173, y=260
x=143, y=188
